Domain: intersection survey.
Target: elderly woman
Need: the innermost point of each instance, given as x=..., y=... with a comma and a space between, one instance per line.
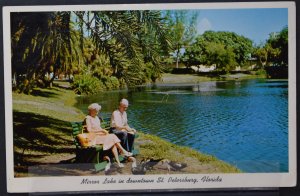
x=101, y=136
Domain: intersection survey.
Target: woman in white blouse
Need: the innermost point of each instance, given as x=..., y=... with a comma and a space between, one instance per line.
x=101, y=136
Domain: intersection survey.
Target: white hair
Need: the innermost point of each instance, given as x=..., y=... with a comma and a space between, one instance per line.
x=94, y=106
x=124, y=102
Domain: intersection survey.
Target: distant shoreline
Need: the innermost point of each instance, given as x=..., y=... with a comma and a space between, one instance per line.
x=169, y=78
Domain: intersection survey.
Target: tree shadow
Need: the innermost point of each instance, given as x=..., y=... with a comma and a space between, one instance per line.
x=43, y=93
x=62, y=86
x=34, y=132
x=68, y=167
x=56, y=170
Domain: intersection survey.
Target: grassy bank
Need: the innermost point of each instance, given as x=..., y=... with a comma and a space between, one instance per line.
x=42, y=137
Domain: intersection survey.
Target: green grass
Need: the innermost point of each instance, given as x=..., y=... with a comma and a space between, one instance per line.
x=157, y=148
x=183, y=78
x=41, y=122
x=42, y=127
x=56, y=102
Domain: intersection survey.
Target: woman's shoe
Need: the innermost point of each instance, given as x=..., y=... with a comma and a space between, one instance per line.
x=121, y=165
x=127, y=154
x=107, y=167
x=133, y=164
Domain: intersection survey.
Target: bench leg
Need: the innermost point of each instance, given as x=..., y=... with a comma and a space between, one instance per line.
x=100, y=166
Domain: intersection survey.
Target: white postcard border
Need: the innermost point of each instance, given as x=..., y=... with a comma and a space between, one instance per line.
x=50, y=184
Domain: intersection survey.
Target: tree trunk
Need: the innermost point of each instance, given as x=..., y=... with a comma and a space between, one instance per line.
x=177, y=59
x=14, y=81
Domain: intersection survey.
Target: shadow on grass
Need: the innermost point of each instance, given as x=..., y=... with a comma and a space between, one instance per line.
x=62, y=168
x=63, y=84
x=74, y=169
x=33, y=132
x=43, y=93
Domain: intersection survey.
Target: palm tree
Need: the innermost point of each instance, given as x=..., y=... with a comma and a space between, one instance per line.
x=129, y=39
x=44, y=42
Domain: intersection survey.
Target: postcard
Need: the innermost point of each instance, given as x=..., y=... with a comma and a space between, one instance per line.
x=173, y=96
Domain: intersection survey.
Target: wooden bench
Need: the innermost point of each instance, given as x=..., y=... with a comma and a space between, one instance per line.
x=105, y=123
x=87, y=154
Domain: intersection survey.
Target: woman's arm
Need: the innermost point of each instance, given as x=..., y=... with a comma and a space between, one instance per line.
x=104, y=131
x=94, y=129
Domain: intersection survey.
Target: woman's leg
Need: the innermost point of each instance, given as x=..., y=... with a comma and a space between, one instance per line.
x=115, y=152
x=106, y=158
x=119, y=146
x=123, y=136
x=107, y=167
x=116, y=155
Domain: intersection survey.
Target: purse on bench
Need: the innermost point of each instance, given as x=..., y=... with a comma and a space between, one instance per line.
x=86, y=139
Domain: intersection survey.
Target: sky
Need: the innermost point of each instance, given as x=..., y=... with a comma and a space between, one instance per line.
x=255, y=24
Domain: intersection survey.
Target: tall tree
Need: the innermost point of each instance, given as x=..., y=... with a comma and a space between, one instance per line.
x=224, y=49
x=182, y=25
x=132, y=41
x=41, y=41
x=275, y=50
x=279, y=42
x=129, y=39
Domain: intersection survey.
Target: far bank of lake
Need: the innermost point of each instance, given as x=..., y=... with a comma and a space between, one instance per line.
x=169, y=78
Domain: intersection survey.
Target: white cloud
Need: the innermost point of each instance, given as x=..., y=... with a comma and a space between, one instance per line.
x=204, y=25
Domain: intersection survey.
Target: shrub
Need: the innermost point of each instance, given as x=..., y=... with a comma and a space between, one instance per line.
x=110, y=82
x=87, y=84
x=260, y=72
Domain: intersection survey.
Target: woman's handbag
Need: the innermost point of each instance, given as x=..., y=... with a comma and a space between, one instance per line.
x=86, y=139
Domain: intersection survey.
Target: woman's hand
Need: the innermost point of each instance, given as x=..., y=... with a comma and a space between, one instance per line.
x=102, y=132
x=105, y=131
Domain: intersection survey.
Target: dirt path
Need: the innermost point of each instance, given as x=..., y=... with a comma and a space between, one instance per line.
x=64, y=165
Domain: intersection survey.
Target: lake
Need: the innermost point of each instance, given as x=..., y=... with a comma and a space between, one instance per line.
x=242, y=122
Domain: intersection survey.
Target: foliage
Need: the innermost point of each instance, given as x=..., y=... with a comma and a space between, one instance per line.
x=41, y=42
x=87, y=84
x=275, y=50
x=130, y=39
x=133, y=47
x=223, y=49
x=224, y=59
x=111, y=82
x=115, y=44
x=261, y=72
x=182, y=30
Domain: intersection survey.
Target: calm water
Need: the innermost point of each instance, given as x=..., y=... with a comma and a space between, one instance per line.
x=244, y=123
